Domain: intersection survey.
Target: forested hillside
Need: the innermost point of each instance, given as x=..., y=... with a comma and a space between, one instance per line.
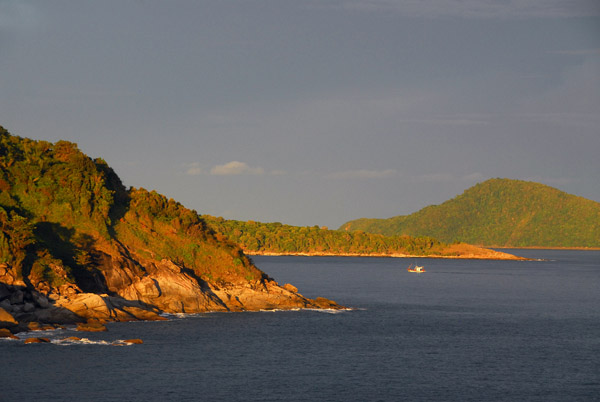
x=75, y=244
x=276, y=238
x=56, y=204
x=279, y=238
x=500, y=212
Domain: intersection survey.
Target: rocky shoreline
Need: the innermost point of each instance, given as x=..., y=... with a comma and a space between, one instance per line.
x=145, y=296
x=147, y=290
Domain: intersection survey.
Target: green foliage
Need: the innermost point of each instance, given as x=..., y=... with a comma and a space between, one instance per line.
x=61, y=212
x=170, y=231
x=501, y=212
x=285, y=239
x=55, y=183
x=16, y=234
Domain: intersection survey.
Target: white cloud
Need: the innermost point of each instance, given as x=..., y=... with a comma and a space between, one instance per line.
x=363, y=174
x=194, y=169
x=481, y=8
x=234, y=168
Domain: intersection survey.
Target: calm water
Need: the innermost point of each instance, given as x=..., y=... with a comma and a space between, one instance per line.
x=463, y=331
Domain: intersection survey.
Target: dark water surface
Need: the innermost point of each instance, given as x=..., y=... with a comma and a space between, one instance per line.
x=465, y=330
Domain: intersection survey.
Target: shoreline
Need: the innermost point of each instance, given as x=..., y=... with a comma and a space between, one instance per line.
x=545, y=248
x=494, y=255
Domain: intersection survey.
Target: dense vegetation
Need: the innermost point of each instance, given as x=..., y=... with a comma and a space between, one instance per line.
x=500, y=212
x=62, y=213
x=256, y=237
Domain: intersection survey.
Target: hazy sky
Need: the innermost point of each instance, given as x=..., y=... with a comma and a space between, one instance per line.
x=311, y=112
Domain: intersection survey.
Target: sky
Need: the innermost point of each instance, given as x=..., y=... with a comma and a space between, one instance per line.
x=311, y=112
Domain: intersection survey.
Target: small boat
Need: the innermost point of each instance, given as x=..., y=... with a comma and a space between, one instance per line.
x=417, y=269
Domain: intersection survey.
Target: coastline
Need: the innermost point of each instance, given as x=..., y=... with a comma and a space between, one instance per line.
x=545, y=248
x=493, y=255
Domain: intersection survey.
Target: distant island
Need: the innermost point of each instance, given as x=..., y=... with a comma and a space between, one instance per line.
x=258, y=238
x=76, y=246
x=500, y=213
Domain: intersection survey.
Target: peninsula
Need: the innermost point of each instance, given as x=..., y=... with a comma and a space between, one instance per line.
x=258, y=238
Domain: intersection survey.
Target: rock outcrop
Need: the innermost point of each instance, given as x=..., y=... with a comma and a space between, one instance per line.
x=5, y=333
x=6, y=319
x=91, y=326
x=166, y=288
x=37, y=340
x=135, y=341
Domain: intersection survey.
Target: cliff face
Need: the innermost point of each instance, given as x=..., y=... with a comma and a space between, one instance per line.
x=75, y=245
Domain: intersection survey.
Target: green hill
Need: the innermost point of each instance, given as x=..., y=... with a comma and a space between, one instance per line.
x=502, y=213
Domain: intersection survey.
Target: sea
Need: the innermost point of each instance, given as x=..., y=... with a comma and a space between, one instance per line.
x=465, y=330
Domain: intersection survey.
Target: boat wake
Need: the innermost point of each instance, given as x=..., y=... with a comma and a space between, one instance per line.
x=317, y=310
x=86, y=341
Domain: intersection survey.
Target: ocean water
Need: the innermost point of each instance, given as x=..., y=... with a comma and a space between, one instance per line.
x=465, y=330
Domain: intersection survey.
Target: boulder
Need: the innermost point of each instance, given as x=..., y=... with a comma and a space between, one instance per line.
x=37, y=340
x=6, y=319
x=16, y=297
x=173, y=289
x=55, y=315
x=5, y=333
x=133, y=341
x=5, y=291
x=91, y=306
x=34, y=326
x=326, y=303
x=290, y=287
x=269, y=296
x=41, y=300
x=86, y=305
x=93, y=326
x=5, y=304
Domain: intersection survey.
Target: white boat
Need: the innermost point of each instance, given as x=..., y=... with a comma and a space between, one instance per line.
x=417, y=269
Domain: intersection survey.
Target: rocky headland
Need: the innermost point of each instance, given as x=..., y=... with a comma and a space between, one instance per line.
x=77, y=247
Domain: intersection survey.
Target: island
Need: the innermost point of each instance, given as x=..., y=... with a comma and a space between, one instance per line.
x=500, y=213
